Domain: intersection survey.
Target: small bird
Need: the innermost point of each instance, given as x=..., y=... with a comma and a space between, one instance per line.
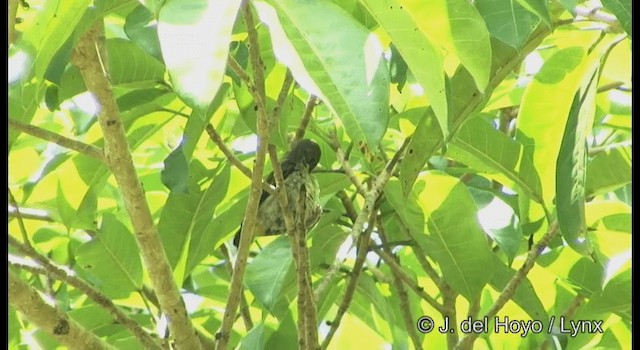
x=296, y=170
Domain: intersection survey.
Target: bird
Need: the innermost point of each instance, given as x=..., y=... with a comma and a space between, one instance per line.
x=296, y=171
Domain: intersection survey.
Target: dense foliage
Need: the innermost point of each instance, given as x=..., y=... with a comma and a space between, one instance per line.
x=475, y=172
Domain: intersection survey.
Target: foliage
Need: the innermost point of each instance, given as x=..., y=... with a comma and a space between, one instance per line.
x=509, y=121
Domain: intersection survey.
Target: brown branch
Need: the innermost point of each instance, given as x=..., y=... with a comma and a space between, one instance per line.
x=13, y=212
x=86, y=149
x=87, y=56
x=306, y=117
x=307, y=332
x=568, y=314
x=282, y=96
x=244, y=305
x=310, y=329
x=215, y=137
x=610, y=86
x=23, y=230
x=363, y=249
x=236, y=68
x=370, y=199
x=405, y=306
x=54, y=272
x=13, y=12
x=413, y=285
x=55, y=323
x=246, y=235
x=335, y=144
x=511, y=287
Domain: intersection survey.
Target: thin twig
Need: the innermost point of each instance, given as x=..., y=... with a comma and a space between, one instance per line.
x=215, y=137
x=58, y=325
x=282, y=96
x=249, y=222
x=568, y=314
x=81, y=147
x=363, y=249
x=413, y=285
x=244, y=305
x=51, y=270
x=23, y=230
x=610, y=86
x=335, y=144
x=236, y=68
x=26, y=215
x=405, y=306
x=370, y=198
x=309, y=310
x=512, y=286
x=118, y=156
x=306, y=117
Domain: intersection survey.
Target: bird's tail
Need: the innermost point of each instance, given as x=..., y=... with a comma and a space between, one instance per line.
x=236, y=238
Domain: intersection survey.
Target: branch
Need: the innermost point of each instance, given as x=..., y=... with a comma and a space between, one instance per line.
x=305, y=291
x=510, y=288
x=391, y=261
x=23, y=230
x=215, y=137
x=370, y=199
x=335, y=144
x=568, y=314
x=54, y=272
x=306, y=117
x=87, y=56
x=55, y=323
x=282, y=96
x=86, y=149
x=363, y=249
x=593, y=151
x=246, y=235
x=597, y=15
x=13, y=212
x=13, y=12
x=405, y=306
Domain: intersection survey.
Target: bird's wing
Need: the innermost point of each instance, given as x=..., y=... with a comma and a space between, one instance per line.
x=288, y=167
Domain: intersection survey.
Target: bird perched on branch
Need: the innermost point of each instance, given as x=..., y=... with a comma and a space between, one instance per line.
x=296, y=170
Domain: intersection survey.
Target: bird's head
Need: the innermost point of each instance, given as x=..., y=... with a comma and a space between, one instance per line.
x=305, y=151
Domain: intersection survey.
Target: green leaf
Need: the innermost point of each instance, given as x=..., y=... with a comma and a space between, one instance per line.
x=184, y=225
x=141, y=28
x=419, y=53
x=571, y=170
x=256, y=337
x=540, y=126
x=345, y=67
x=538, y=7
x=622, y=10
x=175, y=174
x=271, y=273
x=458, y=27
x=615, y=297
x=111, y=259
x=424, y=141
x=66, y=211
x=455, y=239
x=481, y=146
x=608, y=171
x=499, y=221
x=194, y=38
x=508, y=21
x=525, y=295
x=50, y=29
x=130, y=66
